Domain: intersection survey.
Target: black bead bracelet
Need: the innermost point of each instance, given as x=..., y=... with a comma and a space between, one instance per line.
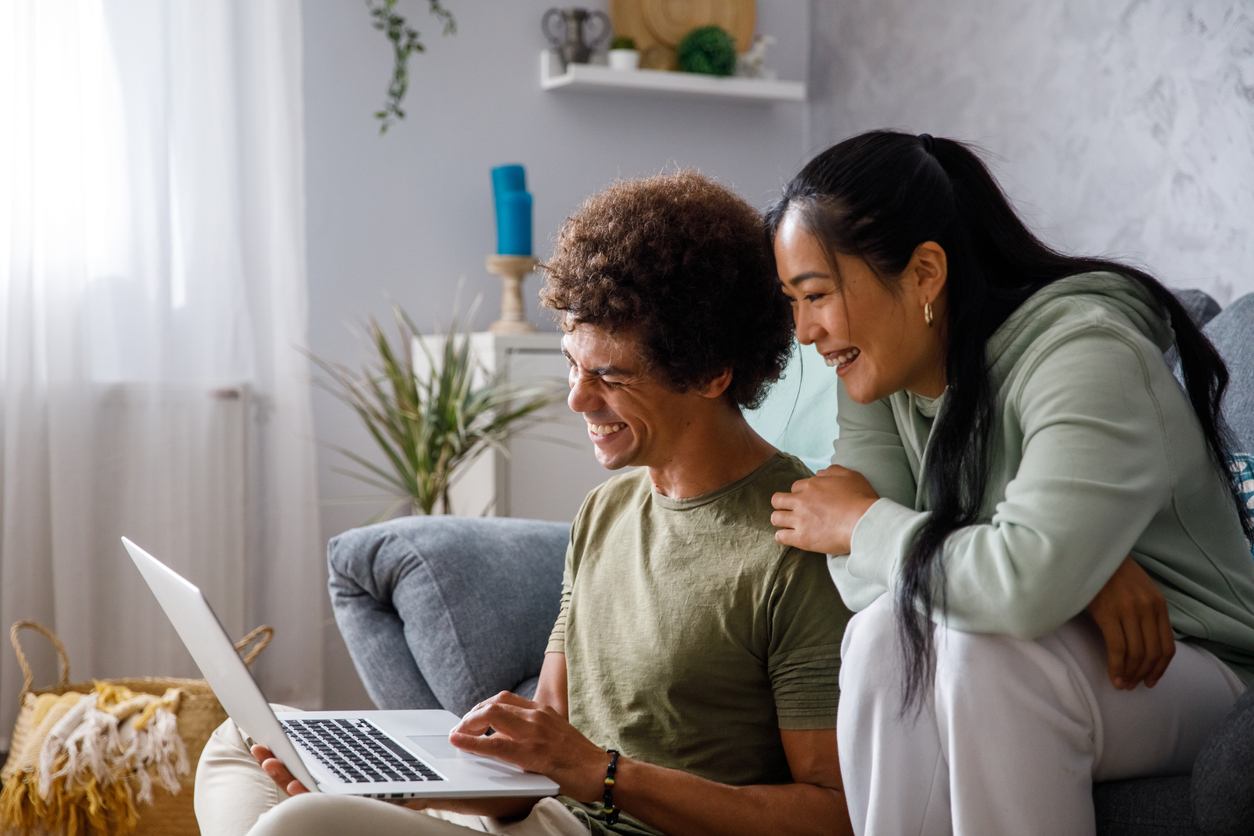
x=611, y=812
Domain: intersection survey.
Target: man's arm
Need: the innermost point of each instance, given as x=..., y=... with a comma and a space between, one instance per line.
x=537, y=738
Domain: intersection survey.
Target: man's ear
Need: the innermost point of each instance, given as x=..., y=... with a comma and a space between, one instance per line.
x=928, y=271
x=717, y=386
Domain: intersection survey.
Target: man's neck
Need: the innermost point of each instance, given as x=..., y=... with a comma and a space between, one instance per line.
x=717, y=449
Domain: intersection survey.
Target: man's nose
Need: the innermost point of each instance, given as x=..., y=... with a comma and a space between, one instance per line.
x=583, y=397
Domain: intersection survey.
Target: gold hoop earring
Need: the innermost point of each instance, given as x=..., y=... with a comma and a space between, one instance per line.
x=927, y=313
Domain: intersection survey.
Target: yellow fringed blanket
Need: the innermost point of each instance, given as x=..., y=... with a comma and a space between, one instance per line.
x=91, y=759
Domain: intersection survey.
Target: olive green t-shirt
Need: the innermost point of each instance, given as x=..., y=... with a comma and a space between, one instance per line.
x=691, y=636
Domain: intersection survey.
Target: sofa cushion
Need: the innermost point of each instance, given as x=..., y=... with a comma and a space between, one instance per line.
x=475, y=598
x=1232, y=332
x=1243, y=466
x=1201, y=307
x=1223, y=774
x=1144, y=807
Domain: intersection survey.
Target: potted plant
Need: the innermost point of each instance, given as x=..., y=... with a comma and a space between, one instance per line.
x=623, y=53
x=431, y=419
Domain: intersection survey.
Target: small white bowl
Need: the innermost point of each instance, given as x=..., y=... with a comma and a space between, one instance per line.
x=624, y=59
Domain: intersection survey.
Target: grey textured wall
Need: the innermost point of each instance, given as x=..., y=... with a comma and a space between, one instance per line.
x=1120, y=127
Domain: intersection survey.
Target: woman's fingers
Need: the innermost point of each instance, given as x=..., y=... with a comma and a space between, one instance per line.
x=1116, y=646
x=783, y=501
x=1147, y=629
x=1135, y=655
x=1132, y=614
x=1168, y=643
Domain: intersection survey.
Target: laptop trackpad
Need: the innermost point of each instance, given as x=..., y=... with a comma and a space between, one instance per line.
x=436, y=745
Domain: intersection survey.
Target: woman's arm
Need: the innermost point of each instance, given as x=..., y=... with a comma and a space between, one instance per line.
x=537, y=739
x=1093, y=472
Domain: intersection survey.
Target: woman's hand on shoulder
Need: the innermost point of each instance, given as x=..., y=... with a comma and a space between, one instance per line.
x=1132, y=615
x=819, y=514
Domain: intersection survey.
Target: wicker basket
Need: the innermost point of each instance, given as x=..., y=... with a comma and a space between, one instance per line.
x=199, y=714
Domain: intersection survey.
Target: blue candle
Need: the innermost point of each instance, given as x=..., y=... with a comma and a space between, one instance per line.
x=508, y=178
x=513, y=221
x=513, y=210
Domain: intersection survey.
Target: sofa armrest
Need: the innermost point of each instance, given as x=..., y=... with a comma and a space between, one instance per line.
x=442, y=612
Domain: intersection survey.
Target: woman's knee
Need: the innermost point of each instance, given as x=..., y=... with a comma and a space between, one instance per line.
x=868, y=653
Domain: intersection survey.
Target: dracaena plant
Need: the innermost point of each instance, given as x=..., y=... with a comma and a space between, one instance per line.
x=430, y=419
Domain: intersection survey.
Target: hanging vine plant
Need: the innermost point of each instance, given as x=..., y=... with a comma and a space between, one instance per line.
x=405, y=42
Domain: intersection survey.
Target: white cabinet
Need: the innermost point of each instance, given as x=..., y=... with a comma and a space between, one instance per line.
x=549, y=467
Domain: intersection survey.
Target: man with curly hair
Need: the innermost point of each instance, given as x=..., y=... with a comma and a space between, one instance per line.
x=693, y=652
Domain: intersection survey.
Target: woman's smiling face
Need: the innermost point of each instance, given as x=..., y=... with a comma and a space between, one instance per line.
x=877, y=339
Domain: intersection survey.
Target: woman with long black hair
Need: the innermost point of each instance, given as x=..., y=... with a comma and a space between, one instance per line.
x=1013, y=450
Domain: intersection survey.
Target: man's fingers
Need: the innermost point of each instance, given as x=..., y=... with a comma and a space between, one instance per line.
x=496, y=746
x=508, y=718
x=277, y=771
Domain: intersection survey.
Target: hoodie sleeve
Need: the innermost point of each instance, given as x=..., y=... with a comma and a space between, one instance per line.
x=1093, y=472
x=871, y=444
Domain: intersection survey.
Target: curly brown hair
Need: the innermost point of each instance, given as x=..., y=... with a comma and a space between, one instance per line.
x=683, y=262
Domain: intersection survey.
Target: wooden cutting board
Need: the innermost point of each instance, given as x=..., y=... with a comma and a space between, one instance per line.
x=657, y=26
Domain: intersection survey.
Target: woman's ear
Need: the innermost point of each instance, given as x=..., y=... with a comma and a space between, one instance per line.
x=928, y=271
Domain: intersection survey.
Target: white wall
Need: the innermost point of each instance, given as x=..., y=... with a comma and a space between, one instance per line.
x=404, y=216
x=1124, y=127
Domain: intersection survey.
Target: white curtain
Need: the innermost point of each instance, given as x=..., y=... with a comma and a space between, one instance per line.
x=152, y=305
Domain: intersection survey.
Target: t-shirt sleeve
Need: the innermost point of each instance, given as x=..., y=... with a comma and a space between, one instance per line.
x=807, y=623
x=557, y=638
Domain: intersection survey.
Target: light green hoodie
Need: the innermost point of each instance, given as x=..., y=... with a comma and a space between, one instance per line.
x=1096, y=454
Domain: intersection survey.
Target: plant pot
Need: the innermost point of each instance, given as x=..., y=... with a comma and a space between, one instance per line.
x=624, y=59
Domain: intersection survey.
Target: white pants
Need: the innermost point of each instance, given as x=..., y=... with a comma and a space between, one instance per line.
x=1014, y=733
x=234, y=796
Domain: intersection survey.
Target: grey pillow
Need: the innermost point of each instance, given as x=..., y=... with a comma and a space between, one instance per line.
x=447, y=607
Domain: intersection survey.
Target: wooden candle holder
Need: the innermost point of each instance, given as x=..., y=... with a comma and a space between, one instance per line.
x=512, y=269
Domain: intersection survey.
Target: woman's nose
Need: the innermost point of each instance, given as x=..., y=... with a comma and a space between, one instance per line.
x=807, y=326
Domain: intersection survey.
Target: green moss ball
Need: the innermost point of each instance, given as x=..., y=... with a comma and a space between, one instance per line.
x=708, y=50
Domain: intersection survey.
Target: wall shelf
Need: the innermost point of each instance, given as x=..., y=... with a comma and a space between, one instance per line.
x=593, y=78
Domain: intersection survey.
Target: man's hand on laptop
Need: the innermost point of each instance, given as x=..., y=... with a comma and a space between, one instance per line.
x=534, y=737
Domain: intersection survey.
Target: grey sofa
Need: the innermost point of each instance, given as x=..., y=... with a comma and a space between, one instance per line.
x=442, y=612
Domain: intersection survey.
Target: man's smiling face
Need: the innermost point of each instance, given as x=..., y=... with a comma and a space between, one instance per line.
x=633, y=418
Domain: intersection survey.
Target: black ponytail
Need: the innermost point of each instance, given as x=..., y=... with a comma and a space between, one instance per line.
x=878, y=196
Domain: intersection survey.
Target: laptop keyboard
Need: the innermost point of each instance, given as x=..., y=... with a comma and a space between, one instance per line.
x=357, y=752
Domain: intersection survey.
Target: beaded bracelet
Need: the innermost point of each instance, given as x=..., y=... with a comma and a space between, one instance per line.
x=611, y=812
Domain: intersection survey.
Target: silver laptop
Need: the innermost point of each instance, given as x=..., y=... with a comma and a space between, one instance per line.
x=380, y=754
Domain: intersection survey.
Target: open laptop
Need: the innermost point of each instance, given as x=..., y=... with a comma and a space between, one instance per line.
x=380, y=754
